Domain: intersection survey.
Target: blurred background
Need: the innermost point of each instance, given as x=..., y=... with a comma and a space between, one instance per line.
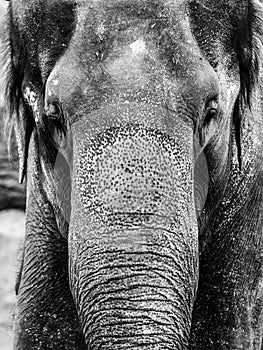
x=12, y=203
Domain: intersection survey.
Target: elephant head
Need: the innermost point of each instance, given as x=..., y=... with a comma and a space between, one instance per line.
x=120, y=107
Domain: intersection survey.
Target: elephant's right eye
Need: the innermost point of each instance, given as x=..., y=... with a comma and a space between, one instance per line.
x=52, y=110
x=54, y=121
x=54, y=114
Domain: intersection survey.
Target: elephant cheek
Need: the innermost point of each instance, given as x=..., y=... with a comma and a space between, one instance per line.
x=133, y=243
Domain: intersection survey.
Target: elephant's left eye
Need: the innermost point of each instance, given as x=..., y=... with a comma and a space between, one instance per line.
x=211, y=111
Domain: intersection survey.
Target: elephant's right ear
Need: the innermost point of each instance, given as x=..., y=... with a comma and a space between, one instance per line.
x=23, y=127
x=19, y=119
x=19, y=123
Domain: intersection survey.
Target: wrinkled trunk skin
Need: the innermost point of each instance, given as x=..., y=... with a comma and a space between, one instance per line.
x=133, y=239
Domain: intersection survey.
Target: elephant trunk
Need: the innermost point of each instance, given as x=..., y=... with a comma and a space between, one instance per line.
x=133, y=241
x=136, y=288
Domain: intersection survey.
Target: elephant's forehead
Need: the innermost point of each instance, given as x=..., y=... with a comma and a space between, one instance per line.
x=110, y=15
x=99, y=21
x=114, y=10
x=130, y=5
x=62, y=24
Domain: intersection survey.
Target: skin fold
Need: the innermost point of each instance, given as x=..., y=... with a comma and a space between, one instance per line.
x=139, y=129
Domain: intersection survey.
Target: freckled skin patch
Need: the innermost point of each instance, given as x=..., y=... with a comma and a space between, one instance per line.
x=132, y=170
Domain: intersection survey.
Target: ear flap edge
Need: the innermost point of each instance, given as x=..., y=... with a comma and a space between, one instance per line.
x=23, y=130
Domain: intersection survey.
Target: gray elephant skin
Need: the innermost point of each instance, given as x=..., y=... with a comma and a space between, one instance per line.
x=139, y=128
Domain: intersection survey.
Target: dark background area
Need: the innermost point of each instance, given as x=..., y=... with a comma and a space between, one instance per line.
x=12, y=193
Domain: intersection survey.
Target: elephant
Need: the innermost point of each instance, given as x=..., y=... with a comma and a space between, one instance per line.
x=139, y=130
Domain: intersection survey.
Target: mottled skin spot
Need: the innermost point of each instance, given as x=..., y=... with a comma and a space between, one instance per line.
x=140, y=123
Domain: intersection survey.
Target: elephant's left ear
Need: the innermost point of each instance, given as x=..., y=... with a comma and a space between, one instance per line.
x=249, y=43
